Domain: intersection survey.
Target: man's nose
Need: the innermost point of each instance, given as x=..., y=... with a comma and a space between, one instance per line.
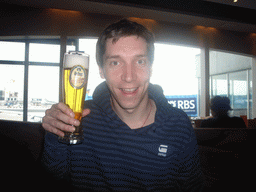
x=129, y=73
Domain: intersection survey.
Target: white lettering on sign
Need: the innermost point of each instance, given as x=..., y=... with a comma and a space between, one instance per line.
x=183, y=104
x=192, y=104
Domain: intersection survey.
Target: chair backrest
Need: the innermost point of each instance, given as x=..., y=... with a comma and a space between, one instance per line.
x=251, y=123
x=197, y=123
x=30, y=135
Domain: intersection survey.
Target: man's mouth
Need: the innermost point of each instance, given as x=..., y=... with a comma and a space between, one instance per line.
x=131, y=90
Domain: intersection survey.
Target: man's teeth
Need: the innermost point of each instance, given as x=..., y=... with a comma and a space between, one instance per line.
x=129, y=90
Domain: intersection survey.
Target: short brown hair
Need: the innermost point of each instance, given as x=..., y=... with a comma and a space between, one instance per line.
x=124, y=28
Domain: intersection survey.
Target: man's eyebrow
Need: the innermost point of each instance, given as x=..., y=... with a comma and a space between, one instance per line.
x=118, y=56
x=112, y=57
x=141, y=55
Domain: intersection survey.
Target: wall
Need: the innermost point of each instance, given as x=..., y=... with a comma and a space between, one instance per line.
x=27, y=21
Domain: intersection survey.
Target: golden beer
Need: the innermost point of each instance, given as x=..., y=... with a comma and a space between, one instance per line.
x=75, y=77
x=74, y=97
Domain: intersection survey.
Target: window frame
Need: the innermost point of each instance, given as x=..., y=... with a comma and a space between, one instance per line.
x=26, y=63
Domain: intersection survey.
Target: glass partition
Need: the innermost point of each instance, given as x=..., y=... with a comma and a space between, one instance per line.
x=219, y=85
x=231, y=76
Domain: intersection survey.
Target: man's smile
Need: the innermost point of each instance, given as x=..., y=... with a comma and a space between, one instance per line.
x=129, y=90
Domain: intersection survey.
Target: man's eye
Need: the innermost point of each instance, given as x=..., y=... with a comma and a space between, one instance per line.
x=114, y=63
x=141, y=62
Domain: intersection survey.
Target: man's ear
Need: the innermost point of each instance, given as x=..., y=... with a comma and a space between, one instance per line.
x=101, y=70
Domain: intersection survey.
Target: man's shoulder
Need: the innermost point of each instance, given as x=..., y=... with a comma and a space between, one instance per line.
x=93, y=105
x=173, y=118
x=172, y=112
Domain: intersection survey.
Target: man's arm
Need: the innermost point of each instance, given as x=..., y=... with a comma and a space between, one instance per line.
x=57, y=119
x=55, y=157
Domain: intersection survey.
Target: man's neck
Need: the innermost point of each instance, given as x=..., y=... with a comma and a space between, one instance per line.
x=138, y=117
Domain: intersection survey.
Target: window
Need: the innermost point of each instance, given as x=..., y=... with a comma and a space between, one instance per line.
x=12, y=51
x=238, y=90
x=30, y=82
x=43, y=90
x=47, y=53
x=231, y=76
x=89, y=47
x=43, y=79
x=219, y=85
x=11, y=88
x=29, y=85
x=175, y=69
x=12, y=80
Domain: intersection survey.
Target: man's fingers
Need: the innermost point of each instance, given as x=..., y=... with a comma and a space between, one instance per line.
x=48, y=127
x=56, y=126
x=65, y=109
x=59, y=119
x=60, y=107
x=59, y=115
x=86, y=112
x=51, y=129
x=62, y=113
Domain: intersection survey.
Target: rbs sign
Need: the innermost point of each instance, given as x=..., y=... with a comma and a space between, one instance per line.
x=187, y=103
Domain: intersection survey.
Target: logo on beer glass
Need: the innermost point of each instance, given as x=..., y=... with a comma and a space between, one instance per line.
x=77, y=77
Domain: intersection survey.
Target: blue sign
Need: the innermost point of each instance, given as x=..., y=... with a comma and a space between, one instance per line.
x=188, y=103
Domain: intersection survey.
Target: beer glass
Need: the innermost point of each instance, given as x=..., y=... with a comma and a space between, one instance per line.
x=74, y=84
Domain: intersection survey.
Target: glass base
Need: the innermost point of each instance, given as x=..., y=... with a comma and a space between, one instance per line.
x=71, y=139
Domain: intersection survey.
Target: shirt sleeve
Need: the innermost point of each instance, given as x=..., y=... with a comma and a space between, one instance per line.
x=55, y=157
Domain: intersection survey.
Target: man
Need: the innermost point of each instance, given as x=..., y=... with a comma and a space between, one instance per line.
x=220, y=107
x=133, y=139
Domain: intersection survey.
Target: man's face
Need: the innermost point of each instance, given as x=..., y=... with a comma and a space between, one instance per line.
x=127, y=72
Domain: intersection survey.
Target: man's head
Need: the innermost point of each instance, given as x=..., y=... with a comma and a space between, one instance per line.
x=124, y=54
x=124, y=28
x=220, y=105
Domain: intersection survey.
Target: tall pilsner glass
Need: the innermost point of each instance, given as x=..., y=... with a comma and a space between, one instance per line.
x=75, y=77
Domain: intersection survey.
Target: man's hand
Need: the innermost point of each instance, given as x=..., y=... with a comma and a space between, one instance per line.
x=60, y=118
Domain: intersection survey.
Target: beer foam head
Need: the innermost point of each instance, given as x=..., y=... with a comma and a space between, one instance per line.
x=73, y=58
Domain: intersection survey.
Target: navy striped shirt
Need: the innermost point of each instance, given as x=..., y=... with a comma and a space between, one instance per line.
x=160, y=157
